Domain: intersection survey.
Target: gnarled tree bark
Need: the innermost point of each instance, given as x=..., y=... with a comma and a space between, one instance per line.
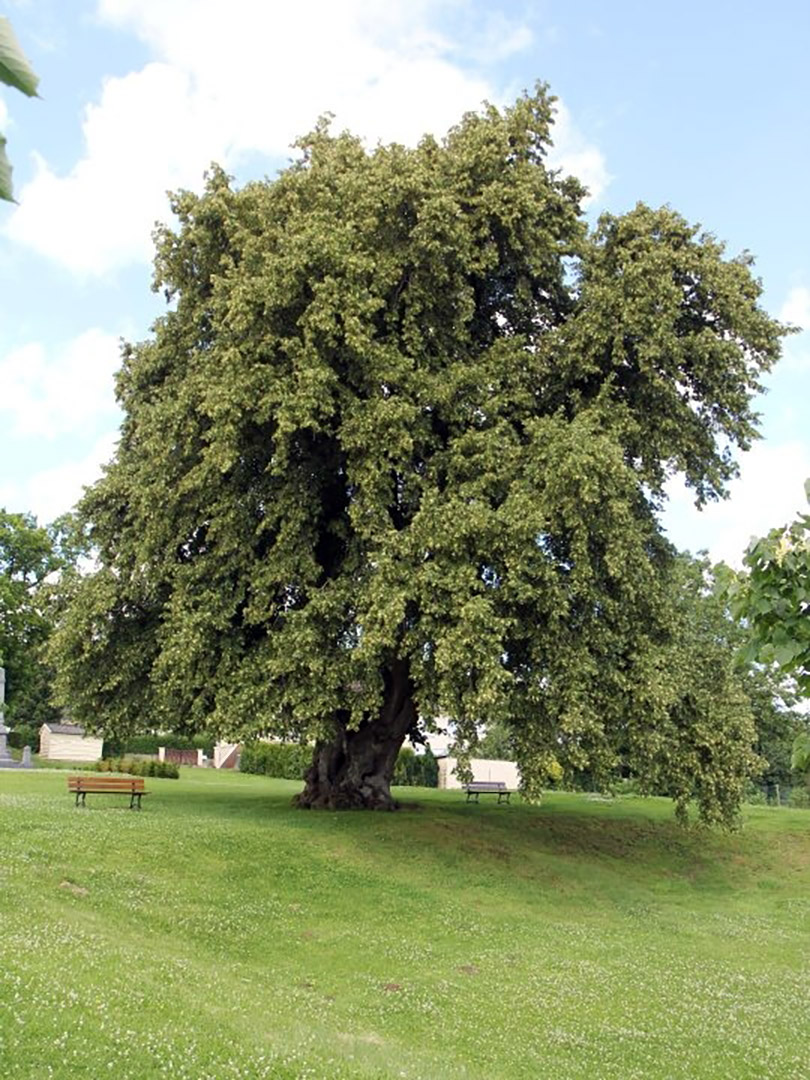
x=354, y=770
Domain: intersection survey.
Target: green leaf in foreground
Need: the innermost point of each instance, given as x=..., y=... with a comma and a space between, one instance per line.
x=14, y=68
x=5, y=173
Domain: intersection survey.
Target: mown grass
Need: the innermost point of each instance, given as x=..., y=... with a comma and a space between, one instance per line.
x=222, y=934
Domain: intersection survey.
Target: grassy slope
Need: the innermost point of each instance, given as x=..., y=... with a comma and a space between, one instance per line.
x=222, y=934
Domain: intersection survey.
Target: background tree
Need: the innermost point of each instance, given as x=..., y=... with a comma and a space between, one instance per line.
x=27, y=558
x=774, y=598
x=723, y=699
x=496, y=743
x=14, y=71
x=721, y=704
x=800, y=759
x=396, y=450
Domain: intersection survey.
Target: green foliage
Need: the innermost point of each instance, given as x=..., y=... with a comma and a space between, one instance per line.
x=165, y=769
x=14, y=71
x=288, y=761
x=745, y=705
x=27, y=559
x=799, y=798
x=800, y=756
x=774, y=598
x=416, y=770
x=406, y=413
x=497, y=743
x=24, y=735
x=150, y=744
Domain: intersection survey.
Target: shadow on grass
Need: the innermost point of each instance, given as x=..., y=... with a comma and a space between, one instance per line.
x=564, y=840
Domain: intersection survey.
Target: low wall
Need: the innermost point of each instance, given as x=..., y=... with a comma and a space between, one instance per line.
x=181, y=757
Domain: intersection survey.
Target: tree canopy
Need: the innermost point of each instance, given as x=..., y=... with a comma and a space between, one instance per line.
x=396, y=450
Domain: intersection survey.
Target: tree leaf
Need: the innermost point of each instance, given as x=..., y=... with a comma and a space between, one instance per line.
x=5, y=173
x=14, y=68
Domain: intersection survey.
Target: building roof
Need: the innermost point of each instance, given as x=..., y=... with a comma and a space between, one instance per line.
x=64, y=729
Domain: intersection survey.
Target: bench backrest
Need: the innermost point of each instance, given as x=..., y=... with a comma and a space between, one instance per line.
x=486, y=785
x=105, y=783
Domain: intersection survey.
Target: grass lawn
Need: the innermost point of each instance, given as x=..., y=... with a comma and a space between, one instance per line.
x=221, y=934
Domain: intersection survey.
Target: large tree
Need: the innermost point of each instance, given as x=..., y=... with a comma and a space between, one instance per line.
x=395, y=451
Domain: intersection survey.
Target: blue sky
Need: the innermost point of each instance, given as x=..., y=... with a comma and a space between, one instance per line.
x=699, y=105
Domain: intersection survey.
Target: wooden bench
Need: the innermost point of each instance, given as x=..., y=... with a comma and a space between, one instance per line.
x=108, y=785
x=487, y=787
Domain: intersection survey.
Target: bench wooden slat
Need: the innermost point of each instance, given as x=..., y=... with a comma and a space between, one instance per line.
x=106, y=783
x=487, y=787
x=81, y=786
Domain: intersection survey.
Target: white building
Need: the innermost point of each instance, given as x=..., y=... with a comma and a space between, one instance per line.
x=482, y=769
x=68, y=742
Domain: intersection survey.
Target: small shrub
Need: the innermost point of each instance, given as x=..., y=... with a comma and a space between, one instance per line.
x=23, y=735
x=287, y=761
x=151, y=767
x=799, y=798
x=150, y=744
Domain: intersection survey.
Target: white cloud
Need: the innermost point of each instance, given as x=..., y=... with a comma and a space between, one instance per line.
x=55, y=490
x=768, y=493
x=796, y=308
x=796, y=312
x=145, y=133
x=250, y=79
x=50, y=393
x=575, y=156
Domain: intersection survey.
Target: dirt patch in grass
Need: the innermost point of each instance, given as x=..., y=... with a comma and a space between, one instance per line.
x=72, y=887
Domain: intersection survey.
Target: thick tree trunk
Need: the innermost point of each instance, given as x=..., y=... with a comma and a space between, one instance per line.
x=354, y=770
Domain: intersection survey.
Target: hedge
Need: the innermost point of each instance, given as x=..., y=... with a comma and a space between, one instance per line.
x=165, y=769
x=289, y=761
x=149, y=744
